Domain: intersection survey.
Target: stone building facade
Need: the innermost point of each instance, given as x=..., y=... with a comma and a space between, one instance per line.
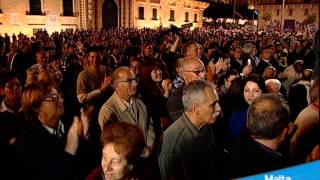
x=295, y=12
x=28, y=16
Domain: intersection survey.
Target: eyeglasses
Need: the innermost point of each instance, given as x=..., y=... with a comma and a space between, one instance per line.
x=53, y=97
x=197, y=72
x=130, y=80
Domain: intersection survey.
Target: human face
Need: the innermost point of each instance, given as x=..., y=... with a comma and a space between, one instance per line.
x=194, y=51
x=269, y=73
x=226, y=65
x=210, y=109
x=134, y=67
x=195, y=71
x=156, y=75
x=114, y=165
x=148, y=50
x=251, y=91
x=127, y=85
x=52, y=107
x=95, y=60
x=228, y=81
x=41, y=58
x=13, y=92
x=237, y=53
x=266, y=54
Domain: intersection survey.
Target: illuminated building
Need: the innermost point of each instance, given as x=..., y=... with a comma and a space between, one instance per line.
x=28, y=16
x=289, y=16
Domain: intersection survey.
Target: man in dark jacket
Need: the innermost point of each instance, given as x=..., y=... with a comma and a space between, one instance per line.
x=267, y=127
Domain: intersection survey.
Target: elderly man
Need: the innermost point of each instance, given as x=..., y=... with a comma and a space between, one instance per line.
x=123, y=106
x=42, y=65
x=267, y=126
x=188, y=150
x=191, y=69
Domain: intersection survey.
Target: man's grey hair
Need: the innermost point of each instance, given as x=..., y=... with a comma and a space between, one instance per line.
x=194, y=93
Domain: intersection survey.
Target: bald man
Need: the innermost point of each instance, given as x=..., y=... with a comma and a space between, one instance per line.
x=192, y=68
x=122, y=106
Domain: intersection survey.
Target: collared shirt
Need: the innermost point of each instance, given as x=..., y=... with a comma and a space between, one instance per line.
x=178, y=82
x=188, y=153
x=59, y=131
x=4, y=107
x=133, y=112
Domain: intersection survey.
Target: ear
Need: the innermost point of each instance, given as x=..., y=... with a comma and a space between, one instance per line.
x=283, y=135
x=195, y=109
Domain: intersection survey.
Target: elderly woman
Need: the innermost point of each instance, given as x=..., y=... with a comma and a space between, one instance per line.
x=43, y=150
x=122, y=146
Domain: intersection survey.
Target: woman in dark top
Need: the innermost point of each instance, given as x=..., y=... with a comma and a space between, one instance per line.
x=154, y=93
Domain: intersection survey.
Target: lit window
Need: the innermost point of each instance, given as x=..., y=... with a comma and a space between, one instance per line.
x=154, y=14
x=186, y=17
x=141, y=12
x=67, y=7
x=35, y=7
x=171, y=15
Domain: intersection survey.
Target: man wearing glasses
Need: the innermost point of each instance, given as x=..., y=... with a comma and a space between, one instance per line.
x=123, y=106
x=192, y=69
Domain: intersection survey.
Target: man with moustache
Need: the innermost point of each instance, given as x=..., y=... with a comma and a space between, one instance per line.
x=188, y=149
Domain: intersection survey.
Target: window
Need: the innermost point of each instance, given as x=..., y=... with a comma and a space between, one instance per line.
x=171, y=15
x=306, y=12
x=35, y=7
x=186, y=17
x=278, y=12
x=154, y=14
x=36, y=30
x=141, y=12
x=195, y=18
x=290, y=12
x=68, y=7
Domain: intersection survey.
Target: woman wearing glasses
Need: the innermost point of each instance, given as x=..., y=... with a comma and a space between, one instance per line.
x=44, y=150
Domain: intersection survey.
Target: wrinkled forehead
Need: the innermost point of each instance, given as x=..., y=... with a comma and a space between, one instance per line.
x=194, y=64
x=126, y=74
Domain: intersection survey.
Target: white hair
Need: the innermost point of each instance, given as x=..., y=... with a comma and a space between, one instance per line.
x=273, y=82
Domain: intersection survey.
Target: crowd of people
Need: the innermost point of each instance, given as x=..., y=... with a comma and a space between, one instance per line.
x=164, y=103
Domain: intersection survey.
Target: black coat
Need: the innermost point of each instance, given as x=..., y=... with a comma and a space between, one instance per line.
x=41, y=155
x=248, y=157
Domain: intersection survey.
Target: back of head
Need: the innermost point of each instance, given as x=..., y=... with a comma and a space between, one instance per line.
x=128, y=139
x=267, y=117
x=307, y=74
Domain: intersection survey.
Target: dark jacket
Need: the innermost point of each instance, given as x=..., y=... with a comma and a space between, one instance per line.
x=248, y=157
x=41, y=155
x=188, y=153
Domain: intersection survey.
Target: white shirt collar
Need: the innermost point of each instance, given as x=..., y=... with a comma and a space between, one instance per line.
x=4, y=107
x=54, y=131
